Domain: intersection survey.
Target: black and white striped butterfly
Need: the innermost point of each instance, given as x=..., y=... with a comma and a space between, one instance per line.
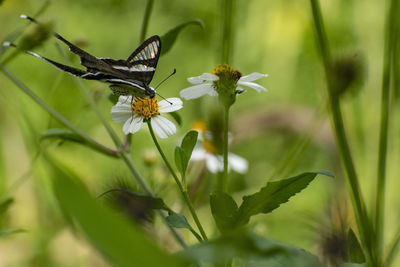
x=129, y=77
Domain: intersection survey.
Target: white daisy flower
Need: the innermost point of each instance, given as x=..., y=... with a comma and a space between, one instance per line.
x=207, y=152
x=215, y=163
x=222, y=78
x=132, y=113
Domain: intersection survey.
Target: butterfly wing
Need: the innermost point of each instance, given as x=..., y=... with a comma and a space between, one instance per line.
x=143, y=61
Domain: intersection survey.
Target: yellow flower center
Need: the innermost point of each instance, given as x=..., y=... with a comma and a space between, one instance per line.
x=208, y=146
x=146, y=107
x=199, y=126
x=227, y=72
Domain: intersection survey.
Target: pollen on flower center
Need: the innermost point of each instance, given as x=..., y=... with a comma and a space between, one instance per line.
x=146, y=107
x=227, y=72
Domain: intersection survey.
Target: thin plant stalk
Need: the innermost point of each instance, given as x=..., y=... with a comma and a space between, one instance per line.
x=92, y=143
x=363, y=223
x=224, y=181
x=60, y=118
x=227, y=7
x=390, y=38
x=146, y=18
x=184, y=193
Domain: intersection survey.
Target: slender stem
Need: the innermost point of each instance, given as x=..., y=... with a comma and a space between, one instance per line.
x=227, y=32
x=384, y=126
x=393, y=249
x=60, y=118
x=224, y=177
x=92, y=143
x=146, y=18
x=181, y=189
x=363, y=222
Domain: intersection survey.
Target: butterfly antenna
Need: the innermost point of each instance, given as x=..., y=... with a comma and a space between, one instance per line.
x=165, y=79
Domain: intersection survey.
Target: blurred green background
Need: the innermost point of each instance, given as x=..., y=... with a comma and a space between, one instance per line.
x=274, y=37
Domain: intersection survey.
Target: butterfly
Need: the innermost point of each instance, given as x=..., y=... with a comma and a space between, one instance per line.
x=130, y=77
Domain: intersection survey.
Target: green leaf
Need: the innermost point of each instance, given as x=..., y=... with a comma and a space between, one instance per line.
x=252, y=250
x=169, y=38
x=124, y=243
x=224, y=210
x=61, y=134
x=181, y=160
x=5, y=204
x=178, y=220
x=188, y=142
x=355, y=252
x=4, y=233
x=175, y=115
x=273, y=195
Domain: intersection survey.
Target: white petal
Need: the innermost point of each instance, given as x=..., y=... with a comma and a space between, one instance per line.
x=121, y=113
x=198, y=154
x=197, y=91
x=237, y=163
x=125, y=100
x=252, y=77
x=170, y=104
x=205, y=77
x=162, y=126
x=133, y=124
x=255, y=86
x=214, y=163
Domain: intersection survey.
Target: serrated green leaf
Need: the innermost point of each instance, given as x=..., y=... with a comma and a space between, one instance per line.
x=178, y=220
x=175, y=115
x=5, y=204
x=355, y=252
x=181, y=160
x=124, y=243
x=224, y=210
x=189, y=142
x=169, y=38
x=63, y=134
x=273, y=195
x=253, y=250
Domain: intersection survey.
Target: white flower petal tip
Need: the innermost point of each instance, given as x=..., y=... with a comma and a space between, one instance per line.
x=170, y=104
x=162, y=126
x=238, y=164
x=252, y=77
x=132, y=125
x=198, y=91
x=205, y=77
x=255, y=86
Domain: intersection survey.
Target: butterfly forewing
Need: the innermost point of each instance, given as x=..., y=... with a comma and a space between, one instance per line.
x=144, y=59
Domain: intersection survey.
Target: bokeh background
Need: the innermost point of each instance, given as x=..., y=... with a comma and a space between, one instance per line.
x=281, y=133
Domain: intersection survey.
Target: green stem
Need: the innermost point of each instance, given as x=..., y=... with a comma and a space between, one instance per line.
x=60, y=118
x=146, y=18
x=181, y=189
x=227, y=8
x=143, y=185
x=384, y=126
x=224, y=181
x=92, y=143
x=363, y=223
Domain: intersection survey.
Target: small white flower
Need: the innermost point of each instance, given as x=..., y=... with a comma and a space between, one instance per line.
x=132, y=113
x=207, y=82
x=205, y=150
x=215, y=163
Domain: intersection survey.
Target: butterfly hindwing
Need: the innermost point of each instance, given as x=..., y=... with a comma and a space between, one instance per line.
x=127, y=77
